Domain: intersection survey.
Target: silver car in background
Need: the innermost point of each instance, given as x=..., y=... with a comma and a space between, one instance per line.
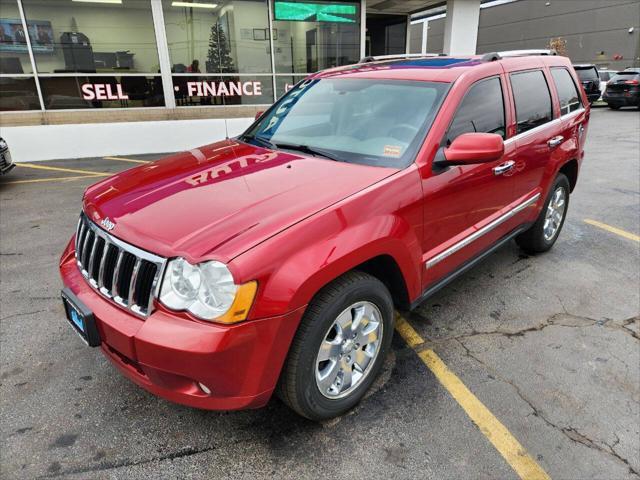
x=6, y=163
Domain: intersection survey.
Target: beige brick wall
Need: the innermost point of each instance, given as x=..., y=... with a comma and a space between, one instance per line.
x=62, y=117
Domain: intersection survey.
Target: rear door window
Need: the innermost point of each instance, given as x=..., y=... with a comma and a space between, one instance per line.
x=532, y=99
x=567, y=91
x=481, y=110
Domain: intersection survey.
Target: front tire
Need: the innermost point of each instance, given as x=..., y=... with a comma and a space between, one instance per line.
x=544, y=232
x=339, y=348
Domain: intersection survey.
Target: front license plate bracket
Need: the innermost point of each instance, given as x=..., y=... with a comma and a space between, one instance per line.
x=80, y=318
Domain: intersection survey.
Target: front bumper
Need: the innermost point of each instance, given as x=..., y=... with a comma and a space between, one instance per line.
x=169, y=355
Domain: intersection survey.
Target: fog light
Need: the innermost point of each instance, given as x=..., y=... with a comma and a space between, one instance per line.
x=204, y=388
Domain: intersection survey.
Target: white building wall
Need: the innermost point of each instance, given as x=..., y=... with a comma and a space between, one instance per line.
x=50, y=142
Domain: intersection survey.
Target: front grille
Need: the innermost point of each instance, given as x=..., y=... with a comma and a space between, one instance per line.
x=121, y=272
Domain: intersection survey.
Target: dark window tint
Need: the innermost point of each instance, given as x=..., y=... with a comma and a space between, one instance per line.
x=482, y=110
x=532, y=99
x=17, y=93
x=567, y=92
x=587, y=74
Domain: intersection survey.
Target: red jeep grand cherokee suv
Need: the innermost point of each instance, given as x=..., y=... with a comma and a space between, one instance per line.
x=274, y=261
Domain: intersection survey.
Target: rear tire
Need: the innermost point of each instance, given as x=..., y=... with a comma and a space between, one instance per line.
x=545, y=231
x=319, y=389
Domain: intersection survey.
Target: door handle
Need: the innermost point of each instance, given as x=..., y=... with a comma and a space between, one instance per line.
x=555, y=141
x=503, y=167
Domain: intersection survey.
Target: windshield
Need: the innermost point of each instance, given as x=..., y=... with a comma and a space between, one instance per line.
x=587, y=74
x=372, y=122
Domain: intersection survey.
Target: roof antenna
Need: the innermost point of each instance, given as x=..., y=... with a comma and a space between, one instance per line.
x=226, y=129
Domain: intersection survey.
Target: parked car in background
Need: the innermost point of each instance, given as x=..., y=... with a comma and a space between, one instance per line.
x=6, y=163
x=605, y=76
x=273, y=262
x=590, y=80
x=623, y=90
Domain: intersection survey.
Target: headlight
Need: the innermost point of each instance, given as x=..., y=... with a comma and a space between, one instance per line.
x=207, y=290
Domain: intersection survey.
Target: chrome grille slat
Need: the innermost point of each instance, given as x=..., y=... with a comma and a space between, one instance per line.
x=134, y=278
x=80, y=240
x=134, y=273
x=84, y=257
x=116, y=275
x=102, y=260
x=79, y=229
x=92, y=257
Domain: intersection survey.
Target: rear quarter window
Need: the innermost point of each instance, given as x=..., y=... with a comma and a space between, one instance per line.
x=532, y=99
x=567, y=92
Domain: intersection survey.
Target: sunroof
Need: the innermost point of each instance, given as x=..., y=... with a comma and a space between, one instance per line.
x=432, y=62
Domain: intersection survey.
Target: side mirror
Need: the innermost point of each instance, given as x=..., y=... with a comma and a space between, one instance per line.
x=259, y=114
x=471, y=148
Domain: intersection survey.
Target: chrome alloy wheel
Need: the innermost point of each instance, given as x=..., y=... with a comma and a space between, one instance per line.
x=555, y=213
x=349, y=350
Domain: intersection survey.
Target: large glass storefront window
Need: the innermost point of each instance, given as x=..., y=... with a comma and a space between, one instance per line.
x=92, y=37
x=14, y=55
x=219, y=36
x=17, y=85
x=104, y=53
x=314, y=35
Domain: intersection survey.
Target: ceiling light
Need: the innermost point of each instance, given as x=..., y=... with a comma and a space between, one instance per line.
x=98, y=1
x=194, y=4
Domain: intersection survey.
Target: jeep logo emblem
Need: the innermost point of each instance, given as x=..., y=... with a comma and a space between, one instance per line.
x=107, y=224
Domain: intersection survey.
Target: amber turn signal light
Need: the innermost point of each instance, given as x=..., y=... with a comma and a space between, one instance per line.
x=241, y=305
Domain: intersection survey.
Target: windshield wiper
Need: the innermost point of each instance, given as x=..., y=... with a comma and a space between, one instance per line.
x=261, y=140
x=287, y=146
x=305, y=149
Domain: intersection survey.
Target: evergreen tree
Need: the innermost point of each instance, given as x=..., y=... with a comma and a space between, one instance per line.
x=219, y=55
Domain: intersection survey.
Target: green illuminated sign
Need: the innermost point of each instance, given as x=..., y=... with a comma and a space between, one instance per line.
x=315, y=12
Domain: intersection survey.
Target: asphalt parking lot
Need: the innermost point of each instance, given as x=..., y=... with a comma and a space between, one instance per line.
x=549, y=345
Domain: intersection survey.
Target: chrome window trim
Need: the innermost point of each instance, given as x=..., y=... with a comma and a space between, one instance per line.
x=537, y=129
x=123, y=246
x=574, y=113
x=433, y=261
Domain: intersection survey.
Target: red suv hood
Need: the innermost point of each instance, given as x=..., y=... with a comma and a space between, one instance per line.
x=221, y=199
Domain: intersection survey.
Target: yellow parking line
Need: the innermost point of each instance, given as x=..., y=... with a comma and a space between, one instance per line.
x=609, y=228
x=503, y=441
x=54, y=179
x=60, y=169
x=121, y=159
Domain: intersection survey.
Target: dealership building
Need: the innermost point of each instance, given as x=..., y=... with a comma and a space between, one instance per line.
x=112, y=77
